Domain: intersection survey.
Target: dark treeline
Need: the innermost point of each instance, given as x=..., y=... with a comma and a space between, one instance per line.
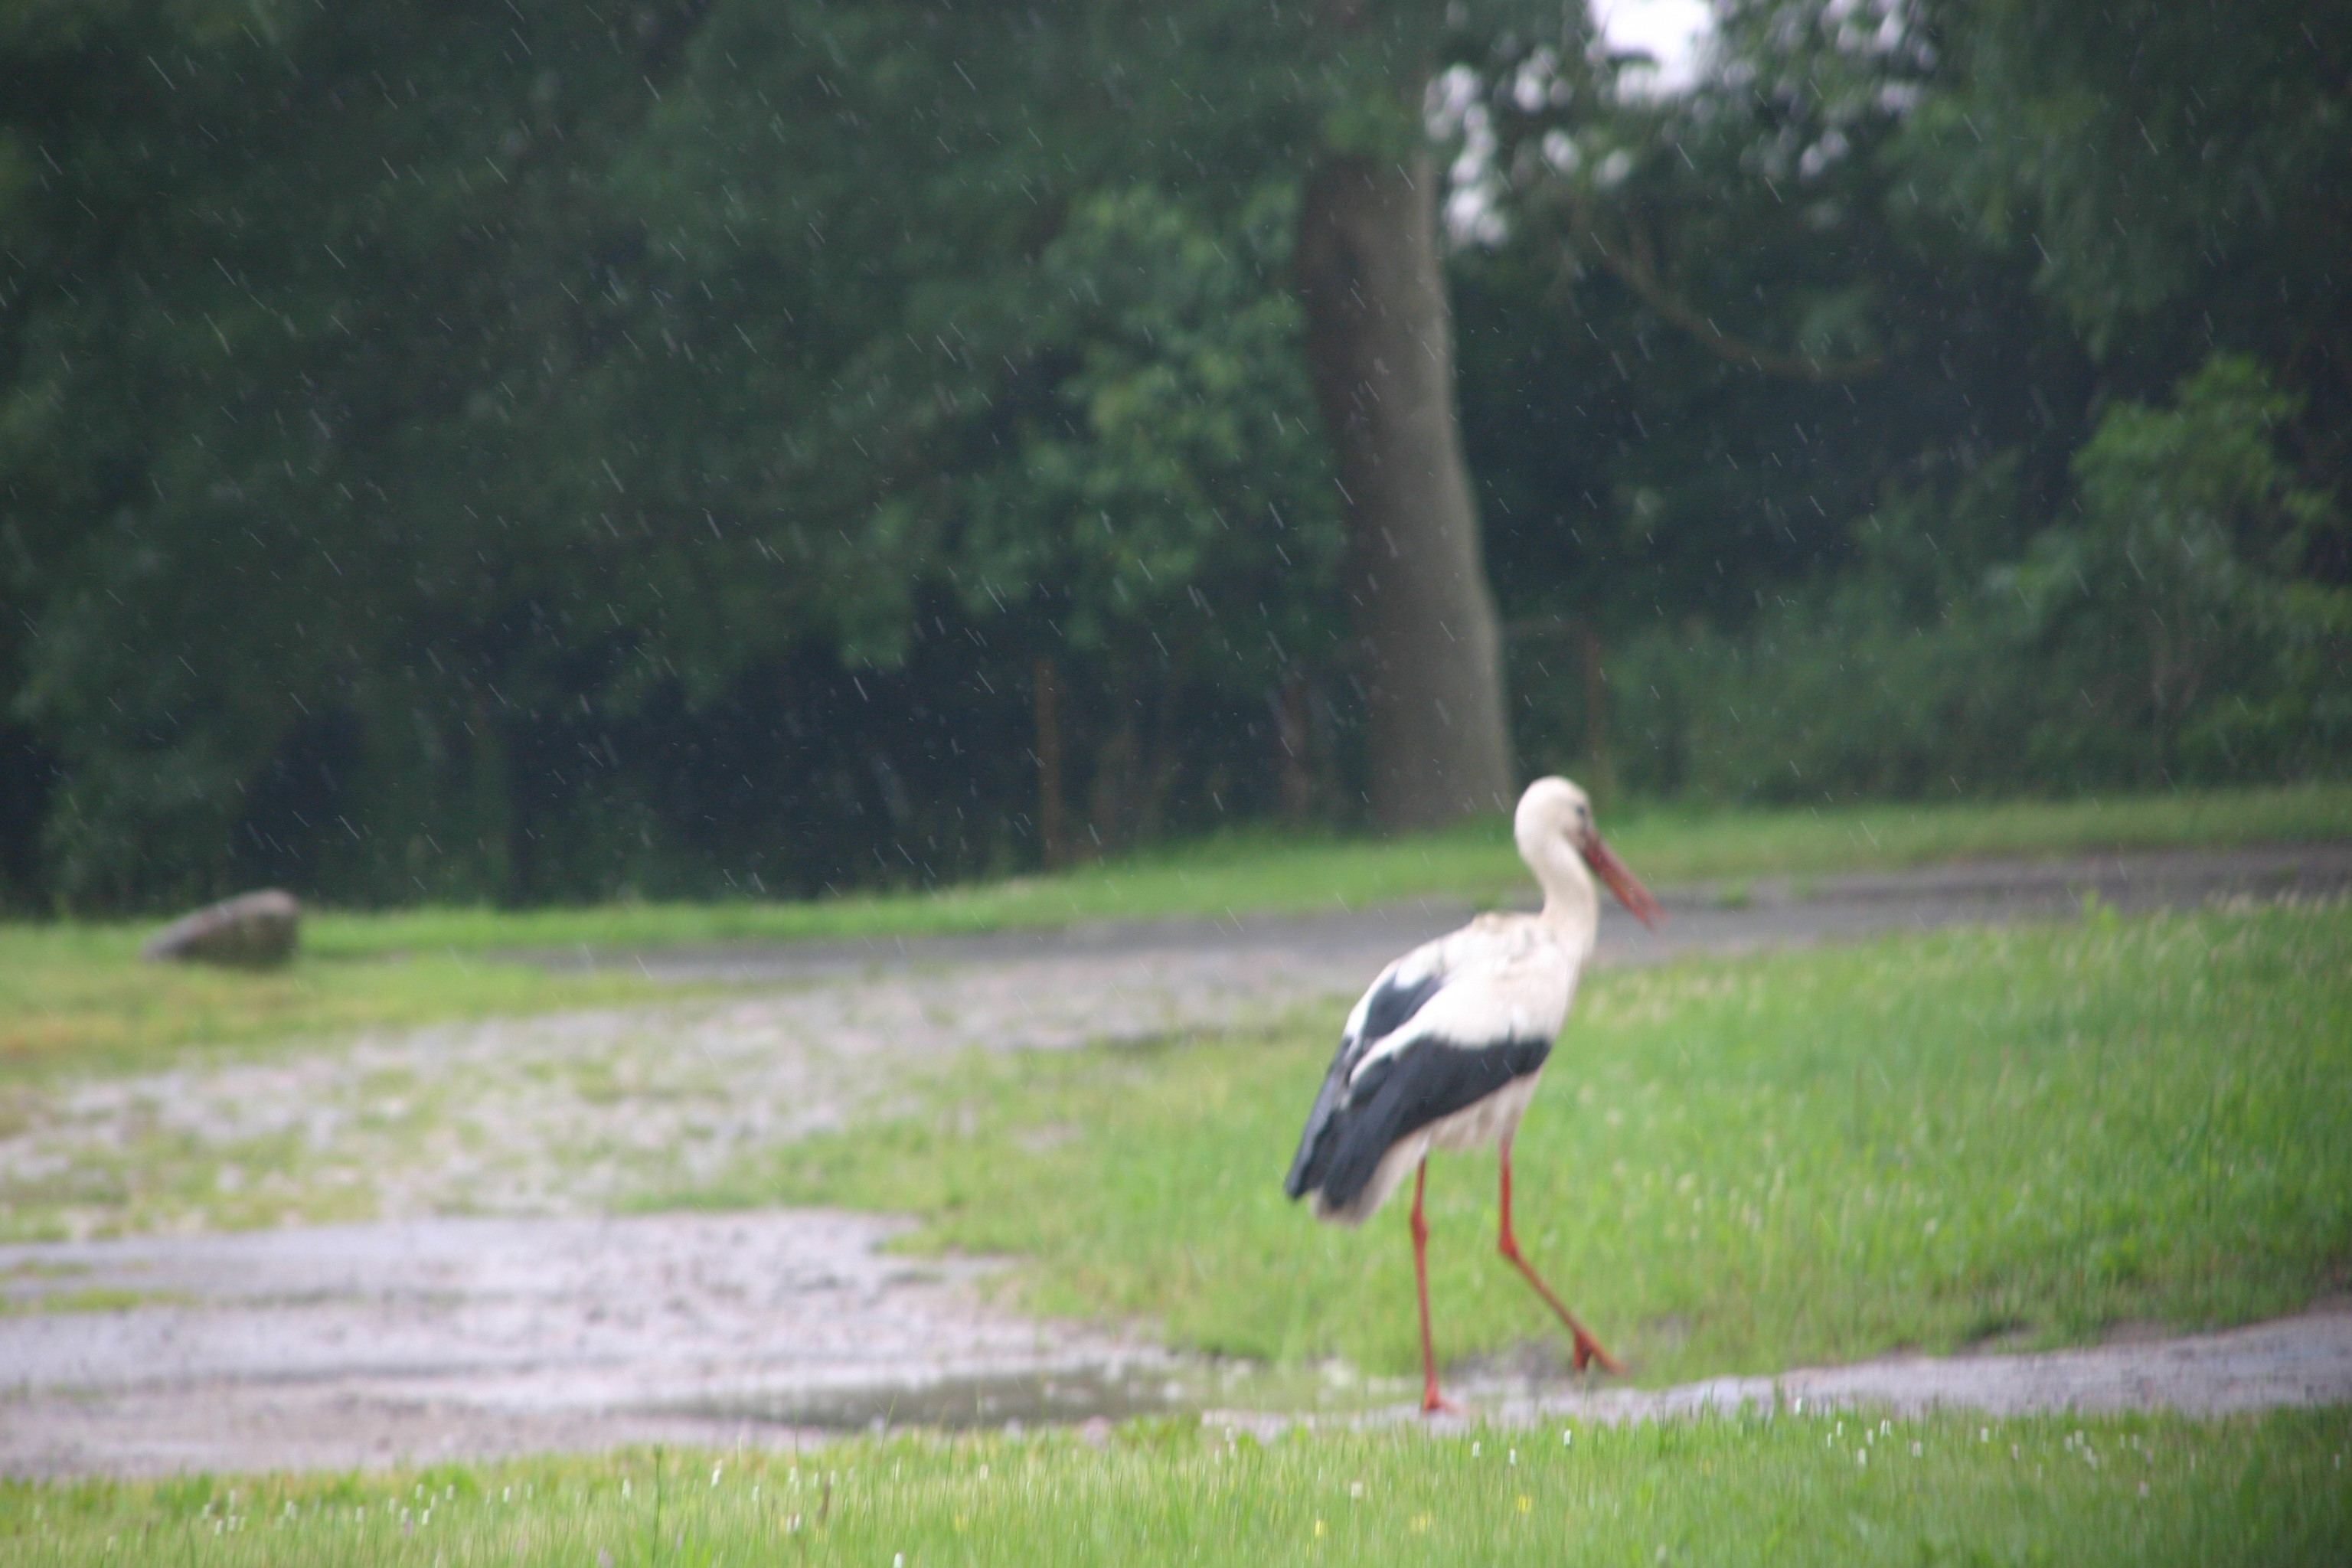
x=530, y=452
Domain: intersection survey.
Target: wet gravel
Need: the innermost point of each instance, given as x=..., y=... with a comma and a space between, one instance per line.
x=342, y=1345
x=2305, y=1359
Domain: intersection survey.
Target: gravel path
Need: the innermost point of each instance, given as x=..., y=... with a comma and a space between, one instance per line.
x=342, y=1345
x=538, y=1322
x=1336, y=955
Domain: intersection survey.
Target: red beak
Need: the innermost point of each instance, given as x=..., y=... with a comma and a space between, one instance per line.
x=1622, y=882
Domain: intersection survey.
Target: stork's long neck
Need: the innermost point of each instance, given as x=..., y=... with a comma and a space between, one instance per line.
x=1572, y=905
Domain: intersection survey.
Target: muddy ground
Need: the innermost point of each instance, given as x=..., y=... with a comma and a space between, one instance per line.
x=483, y=1302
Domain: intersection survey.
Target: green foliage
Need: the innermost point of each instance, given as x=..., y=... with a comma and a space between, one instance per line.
x=1925, y=1142
x=452, y=455
x=2196, y=174
x=257, y=475
x=1856, y=332
x=1841, y=700
x=2165, y=631
x=537, y=461
x=2177, y=584
x=1827, y=1488
x=1137, y=503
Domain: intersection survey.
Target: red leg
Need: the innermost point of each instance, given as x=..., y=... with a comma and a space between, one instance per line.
x=1431, y=1401
x=1588, y=1348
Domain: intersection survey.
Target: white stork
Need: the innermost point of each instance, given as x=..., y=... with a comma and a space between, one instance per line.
x=1443, y=1051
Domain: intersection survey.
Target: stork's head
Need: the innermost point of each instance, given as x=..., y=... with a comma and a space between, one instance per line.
x=1553, y=810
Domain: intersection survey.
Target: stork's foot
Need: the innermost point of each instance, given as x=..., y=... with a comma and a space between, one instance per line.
x=1588, y=1351
x=1435, y=1403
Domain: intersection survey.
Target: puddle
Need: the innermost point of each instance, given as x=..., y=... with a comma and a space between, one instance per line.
x=1065, y=1397
x=962, y=1404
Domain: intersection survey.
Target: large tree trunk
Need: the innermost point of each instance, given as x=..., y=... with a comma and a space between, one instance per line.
x=1380, y=349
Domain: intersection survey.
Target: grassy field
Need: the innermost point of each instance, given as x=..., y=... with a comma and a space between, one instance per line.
x=78, y=997
x=2021, y=1136
x=1796, y=1490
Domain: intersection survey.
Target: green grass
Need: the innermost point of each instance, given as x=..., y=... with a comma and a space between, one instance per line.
x=97, y=1299
x=79, y=998
x=2022, y=1135
x=1796, y=1490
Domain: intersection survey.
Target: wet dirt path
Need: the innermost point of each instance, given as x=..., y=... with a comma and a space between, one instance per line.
x=2302, y=1360
x=482, y=1303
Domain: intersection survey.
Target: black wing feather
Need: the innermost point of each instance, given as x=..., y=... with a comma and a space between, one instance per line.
x=1395, y=1003
x=1390, y=1006
x=1397, y=1096
x=1302, y=1172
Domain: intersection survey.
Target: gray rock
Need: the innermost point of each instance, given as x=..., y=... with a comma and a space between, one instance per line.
x=252, y=931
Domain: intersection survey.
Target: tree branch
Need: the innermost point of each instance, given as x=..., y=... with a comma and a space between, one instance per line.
x=1633, y=266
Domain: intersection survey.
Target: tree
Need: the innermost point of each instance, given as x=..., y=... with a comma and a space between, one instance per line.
x=2178, y=582
x=1800, y=363
x=1330, y=98
x=295, y=280
x=1380, y=342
